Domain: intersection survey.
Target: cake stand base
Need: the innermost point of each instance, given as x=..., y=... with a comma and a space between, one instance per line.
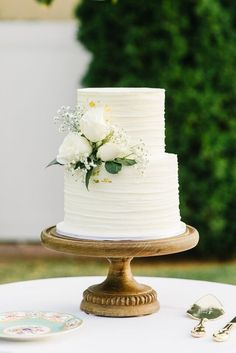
x=120, y=295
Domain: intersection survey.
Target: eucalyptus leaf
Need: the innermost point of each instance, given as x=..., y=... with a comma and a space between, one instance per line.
x=113, y=167
x=126, y=161
x=88, y=176
x=107, y=138
x=54, y=162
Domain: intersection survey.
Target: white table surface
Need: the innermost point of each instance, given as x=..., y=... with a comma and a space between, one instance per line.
x=166, y=331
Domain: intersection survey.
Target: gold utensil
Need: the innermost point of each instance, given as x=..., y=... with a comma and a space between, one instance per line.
x=206, y=308
x=223, y=334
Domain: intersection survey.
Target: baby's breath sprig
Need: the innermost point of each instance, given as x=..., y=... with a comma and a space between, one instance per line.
x=69, y=118
x=119, y=136
x=141, y=155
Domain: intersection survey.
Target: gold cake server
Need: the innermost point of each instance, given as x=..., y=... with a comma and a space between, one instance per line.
x=223, y=334
x=206, y=308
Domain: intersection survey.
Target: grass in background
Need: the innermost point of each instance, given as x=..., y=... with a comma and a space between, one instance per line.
x=20, y=269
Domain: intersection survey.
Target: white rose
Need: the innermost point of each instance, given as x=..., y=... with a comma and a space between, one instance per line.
x=109, y=151
x=73, y=148
x=93, y=126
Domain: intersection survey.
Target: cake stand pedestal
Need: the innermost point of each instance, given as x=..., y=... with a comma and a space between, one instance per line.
x=120, y=295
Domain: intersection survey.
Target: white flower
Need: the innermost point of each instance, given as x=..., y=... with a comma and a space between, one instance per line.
x=73, y=148
x=93, y=125
x=110, y=151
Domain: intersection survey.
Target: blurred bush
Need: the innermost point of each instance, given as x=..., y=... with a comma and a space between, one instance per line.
x=188, y=48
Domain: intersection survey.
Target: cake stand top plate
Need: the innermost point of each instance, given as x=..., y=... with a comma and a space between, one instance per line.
x=124, y=248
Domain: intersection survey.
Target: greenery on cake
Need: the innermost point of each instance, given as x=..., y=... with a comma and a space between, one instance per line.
x=92, y=142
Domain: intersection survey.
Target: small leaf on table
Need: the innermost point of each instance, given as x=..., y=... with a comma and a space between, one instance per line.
x=45, y=2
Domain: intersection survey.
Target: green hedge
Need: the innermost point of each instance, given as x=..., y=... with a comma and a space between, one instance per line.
x=189, y=48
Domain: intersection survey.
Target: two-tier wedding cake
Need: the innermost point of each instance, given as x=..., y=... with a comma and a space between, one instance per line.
x=128, y=188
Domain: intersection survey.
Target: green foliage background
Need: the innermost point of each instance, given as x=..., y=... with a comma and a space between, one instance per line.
x=187, y=47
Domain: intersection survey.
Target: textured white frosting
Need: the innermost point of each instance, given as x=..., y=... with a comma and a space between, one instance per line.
x=132, y=206
x=139, y=111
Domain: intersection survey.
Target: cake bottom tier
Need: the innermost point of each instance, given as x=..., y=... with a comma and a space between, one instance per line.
x=124, y=206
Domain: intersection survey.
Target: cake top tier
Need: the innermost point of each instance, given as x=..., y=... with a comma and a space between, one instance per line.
x=116, y=90
x=139, y=111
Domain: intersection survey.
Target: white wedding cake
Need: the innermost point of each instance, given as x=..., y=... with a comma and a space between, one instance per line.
x=130, y=205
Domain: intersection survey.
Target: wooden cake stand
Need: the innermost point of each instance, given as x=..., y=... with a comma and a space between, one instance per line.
x=120, y=295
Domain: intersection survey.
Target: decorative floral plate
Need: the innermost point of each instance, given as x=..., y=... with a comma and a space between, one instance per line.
x=25, y=325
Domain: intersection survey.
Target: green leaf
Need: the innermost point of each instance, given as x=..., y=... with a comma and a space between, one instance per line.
x=45, y=2
x=79, y=165
x=88, y=176
x=54, y=162
x=126, y=161
x=113, y=167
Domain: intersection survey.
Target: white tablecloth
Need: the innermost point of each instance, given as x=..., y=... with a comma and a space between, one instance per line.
x=167, y=331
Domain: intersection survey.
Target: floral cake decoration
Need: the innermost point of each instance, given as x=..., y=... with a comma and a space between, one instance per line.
x=92, y=142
